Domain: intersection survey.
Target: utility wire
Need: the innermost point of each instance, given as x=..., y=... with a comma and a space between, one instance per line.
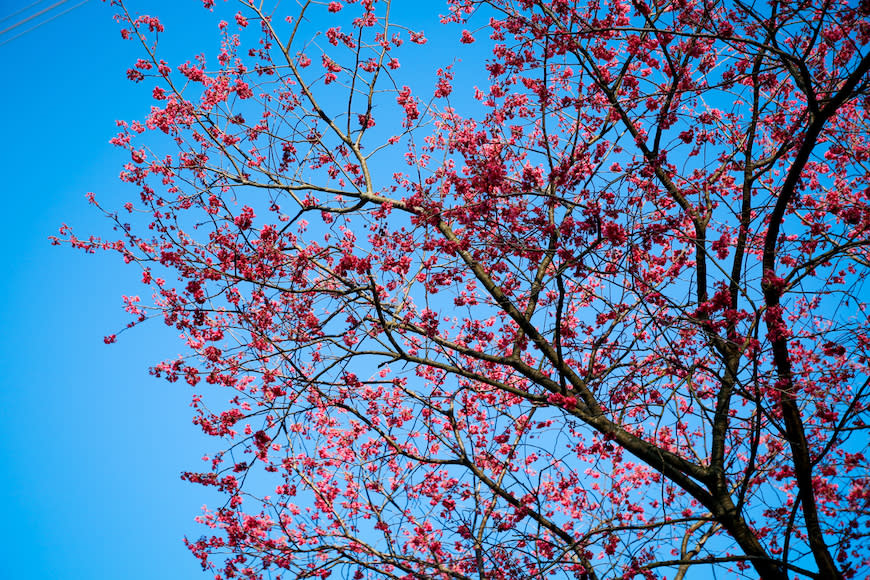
x=20, y=10
x=32, y=16
x=46, y=21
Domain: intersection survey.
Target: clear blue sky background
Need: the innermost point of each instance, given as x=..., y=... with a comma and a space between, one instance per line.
x=91, y=446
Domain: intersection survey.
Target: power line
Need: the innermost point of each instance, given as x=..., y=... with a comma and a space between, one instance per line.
x=46, y=21
x=20, y=10
x=32, y=16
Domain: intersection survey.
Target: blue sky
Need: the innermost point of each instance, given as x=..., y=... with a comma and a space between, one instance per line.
x=92, y=446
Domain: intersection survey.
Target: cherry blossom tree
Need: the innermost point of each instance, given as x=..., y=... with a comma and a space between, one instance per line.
x=586, y=302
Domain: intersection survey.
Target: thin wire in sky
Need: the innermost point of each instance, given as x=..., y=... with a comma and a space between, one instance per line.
x=20, y=10
x=32, y=16
x=46, y=21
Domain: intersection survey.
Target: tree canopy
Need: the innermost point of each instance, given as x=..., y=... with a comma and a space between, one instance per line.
x=595, y=309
